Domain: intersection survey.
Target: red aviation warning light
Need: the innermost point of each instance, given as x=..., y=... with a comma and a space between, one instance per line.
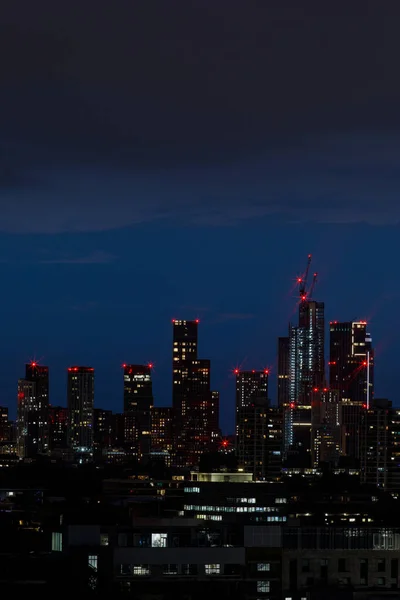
x=150, y=365
x=292, y=405
x=305, y=293
x=266, y=371
x=302, y=281
x=236, y=371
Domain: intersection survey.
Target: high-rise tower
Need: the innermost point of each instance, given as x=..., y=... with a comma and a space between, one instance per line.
x=4, y=425
x=32, y=411
x=196, y=407
x=80, y=408
x=327, y=432
x=306, y=367
x=184, y=351
x=138, y=403
x=161, y=430
x=58, y=427
x=377, y=450
x=283, y=370
x=351, y=373
x=351, y=361
x=252, y=421
x=306, y=352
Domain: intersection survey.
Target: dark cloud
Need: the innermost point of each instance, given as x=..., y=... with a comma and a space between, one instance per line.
x=347, y=179
x=156, y=110
x=155, y=80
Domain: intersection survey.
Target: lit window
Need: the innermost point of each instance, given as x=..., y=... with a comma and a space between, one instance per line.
x=263, y=586
x=93, y=561
x=141, y=570
x=212, y=569
x=158, y=540
x=56, y=541
x=104, y=539
x=263, y=567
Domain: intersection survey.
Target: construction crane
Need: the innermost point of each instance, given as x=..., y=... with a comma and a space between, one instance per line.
x=303, y=280
x=312, y=286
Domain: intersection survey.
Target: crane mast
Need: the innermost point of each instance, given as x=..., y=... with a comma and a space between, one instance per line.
x=311, y=290
x=303, y=281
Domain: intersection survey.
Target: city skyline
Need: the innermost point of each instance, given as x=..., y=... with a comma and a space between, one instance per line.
x=227, y=379
x=199, y=242
x=154, y=187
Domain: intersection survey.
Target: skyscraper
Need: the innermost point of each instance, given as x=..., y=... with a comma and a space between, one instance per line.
x=351, y=373
x=161, y=428
x=393, y=476
x=376, y=443
x=326, y=427
x=283, y=370
x=274, y=442
x=193, y=425
x=32, y=411
x=162, y=433
x=196, y=407
x=80, y=408
x=306, y=352
x=4, y=425
x=58, y=427
x=252, y=421
x=184, y=351
x=138, y=403
x=351, y=361
x=306, y=372
x=102, y=430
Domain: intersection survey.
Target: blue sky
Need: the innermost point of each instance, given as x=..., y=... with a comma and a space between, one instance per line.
x=105, y=298
x=182, y=159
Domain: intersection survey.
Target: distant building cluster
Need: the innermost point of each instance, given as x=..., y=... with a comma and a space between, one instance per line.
x=301, y=503
x=176, y=435
x=323, y=418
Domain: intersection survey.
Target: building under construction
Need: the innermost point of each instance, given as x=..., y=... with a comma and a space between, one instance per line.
x=306, y=368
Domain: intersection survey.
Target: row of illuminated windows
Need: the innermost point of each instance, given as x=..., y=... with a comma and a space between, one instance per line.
x=185, y=569
x=242, y=500
x=237, y=509
x=219, y=518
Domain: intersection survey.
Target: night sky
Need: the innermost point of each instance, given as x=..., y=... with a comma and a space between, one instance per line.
x=172, y=159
